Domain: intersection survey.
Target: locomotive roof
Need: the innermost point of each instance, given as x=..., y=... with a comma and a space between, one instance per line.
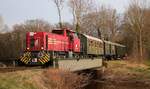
x=92, y=38
x=65, y=29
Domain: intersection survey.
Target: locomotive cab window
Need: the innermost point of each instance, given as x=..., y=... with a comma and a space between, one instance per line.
x=32, y=42
x=75, y=35
x=70, y=35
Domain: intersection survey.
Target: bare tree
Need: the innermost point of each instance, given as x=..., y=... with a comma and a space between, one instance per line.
x=1, y=24
x=146, y=33
x=104, y=20
x=135, y=19
x=15, y=40
x=78, y=9
x=3, y=27
x=59, y=5
x=64, y=25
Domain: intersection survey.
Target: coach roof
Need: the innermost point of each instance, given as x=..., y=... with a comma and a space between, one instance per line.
x=92, y=38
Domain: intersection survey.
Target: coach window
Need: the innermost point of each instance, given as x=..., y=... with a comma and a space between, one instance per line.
x=91, y=43
x=100, y=45
x=96, y=43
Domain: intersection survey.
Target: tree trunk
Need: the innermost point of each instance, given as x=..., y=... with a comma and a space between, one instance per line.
x=99, y=33
x=60, y=20
x=77, y=27
x=141, y=46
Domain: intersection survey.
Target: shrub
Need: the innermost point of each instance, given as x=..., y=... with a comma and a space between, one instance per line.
x=60, y=79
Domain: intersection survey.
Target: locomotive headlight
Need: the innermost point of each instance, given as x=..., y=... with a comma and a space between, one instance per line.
x=27, y=48
x=42, y=47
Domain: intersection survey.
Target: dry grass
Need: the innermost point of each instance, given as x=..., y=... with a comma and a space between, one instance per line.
x=43, y=79
x=123, y=69
x=17, y=80
x=60, y=79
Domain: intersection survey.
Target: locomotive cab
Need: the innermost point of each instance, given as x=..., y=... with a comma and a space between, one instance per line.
x=73, y=39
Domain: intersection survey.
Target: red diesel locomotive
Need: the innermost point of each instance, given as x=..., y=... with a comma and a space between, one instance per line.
x=43, y=46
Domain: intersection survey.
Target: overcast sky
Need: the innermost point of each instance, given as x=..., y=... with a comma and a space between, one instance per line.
x=17, y=11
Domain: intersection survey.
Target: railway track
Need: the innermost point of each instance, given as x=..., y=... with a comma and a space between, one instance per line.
x=13, y=69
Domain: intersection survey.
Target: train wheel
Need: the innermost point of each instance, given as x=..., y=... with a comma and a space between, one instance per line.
x=77, y=56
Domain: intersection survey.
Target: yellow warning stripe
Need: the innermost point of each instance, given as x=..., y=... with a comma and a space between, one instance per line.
x=46, y=60
x=41, y=61
x=26, y=57
x=27, y=60
x=27, y=54
x=22, y=59
x=45, y=57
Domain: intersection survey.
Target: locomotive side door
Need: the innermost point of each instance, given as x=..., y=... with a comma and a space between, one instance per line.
x=70, y=40
x=76, y=42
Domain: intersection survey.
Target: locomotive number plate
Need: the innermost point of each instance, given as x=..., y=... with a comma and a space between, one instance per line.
x=34, y=60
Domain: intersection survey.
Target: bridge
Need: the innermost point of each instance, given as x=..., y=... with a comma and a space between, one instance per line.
x=77, y=65
x=65, y=64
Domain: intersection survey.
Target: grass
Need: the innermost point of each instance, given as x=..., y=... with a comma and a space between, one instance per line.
x=147, y=62
x=17, y=80
x=129, y=69
x=42, y=79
